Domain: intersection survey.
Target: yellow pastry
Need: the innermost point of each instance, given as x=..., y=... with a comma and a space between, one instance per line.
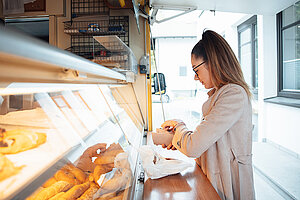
x=46, y=193
x=75, y=191
x=7, y=168
x=64, y=175
x=89, y=193
x=19, y=140
x=78, y=173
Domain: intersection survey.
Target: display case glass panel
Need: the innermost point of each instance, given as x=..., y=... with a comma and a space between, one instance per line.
x=81, y=127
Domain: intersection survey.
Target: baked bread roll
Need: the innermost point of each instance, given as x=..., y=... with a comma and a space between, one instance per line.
x=64, y=175
x=19, y=140
x=78, y=173
x=49, y=182
x=36, y=192
x=108, y=156
x=75, y=191
x=102, y=169
x=57, y=196
x=7, y=168
x=107, y=196
x=120, y=181
x=119, y=196
x=54, y=189
x=89, y=193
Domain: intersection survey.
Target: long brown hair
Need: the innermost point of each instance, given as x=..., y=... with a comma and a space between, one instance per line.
x=222, y=63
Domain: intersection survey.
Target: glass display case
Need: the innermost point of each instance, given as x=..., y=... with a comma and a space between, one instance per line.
x=65, y=138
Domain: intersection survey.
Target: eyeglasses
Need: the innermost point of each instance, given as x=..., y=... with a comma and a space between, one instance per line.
x=194, y=69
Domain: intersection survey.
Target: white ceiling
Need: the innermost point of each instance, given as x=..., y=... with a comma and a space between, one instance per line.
x=258, y=7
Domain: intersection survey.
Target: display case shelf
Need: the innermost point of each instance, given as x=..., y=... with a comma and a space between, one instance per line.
x=45, y=63
x=120, y=53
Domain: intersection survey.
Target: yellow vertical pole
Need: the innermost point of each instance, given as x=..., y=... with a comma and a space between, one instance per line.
x=149, y=85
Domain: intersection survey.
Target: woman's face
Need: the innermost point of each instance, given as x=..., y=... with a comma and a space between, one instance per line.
x=201, y=72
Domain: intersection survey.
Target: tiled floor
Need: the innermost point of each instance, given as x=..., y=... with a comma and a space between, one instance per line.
x=275, y=168
x=263, y=191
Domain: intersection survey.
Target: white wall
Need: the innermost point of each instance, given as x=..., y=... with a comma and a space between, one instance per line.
x=282, y=126
x=171, y=53
x=277, y=123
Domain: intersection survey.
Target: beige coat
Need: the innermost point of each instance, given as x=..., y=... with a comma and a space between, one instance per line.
x=222, y=142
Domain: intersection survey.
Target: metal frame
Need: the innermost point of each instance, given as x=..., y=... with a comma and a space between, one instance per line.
x=155, y=8
x=280, y=29
x=249, y=23
x=42, y=62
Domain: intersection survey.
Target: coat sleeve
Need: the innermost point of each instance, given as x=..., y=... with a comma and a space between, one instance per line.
x=226, y=111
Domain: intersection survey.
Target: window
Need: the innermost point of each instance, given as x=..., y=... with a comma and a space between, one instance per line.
x=247, y=40
x=288, y=27
x=182, y=71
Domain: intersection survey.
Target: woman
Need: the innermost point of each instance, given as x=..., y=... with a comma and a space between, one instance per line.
x=222, y=142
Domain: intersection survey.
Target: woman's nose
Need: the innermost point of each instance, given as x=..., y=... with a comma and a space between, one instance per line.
x=196, y=77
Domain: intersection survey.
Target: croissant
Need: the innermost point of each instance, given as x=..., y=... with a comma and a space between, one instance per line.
x=19, y=140
x=7, y=168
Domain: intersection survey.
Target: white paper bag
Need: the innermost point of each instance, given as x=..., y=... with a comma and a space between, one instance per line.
x=157, y=166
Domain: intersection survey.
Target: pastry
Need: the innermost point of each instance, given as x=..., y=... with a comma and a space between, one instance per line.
x=37, y=191
x=54, y=189
x=75, y=191
x=78, y=173
x=89, y=193
x=119, y=196
x=120, y=181
x=19, y=140
x=108, y=156
x=7, y=168
x=57, y=196
x=107, y=196
x=49, y=182
x=65, y=175
x=102, y=169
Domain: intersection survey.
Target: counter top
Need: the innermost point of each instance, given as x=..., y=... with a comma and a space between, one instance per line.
x=189, y=184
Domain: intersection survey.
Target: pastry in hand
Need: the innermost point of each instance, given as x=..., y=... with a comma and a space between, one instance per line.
x=101, y=169
x=108, y=156
x=19, y=140
x=7, y=168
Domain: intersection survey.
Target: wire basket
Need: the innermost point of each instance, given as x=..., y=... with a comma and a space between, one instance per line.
x=88, y=7
x=105, y=25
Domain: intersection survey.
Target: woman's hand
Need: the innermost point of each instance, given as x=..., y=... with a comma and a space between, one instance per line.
x=169, y=125
x=170, y=146
x=85, y=162
x=92, y=151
